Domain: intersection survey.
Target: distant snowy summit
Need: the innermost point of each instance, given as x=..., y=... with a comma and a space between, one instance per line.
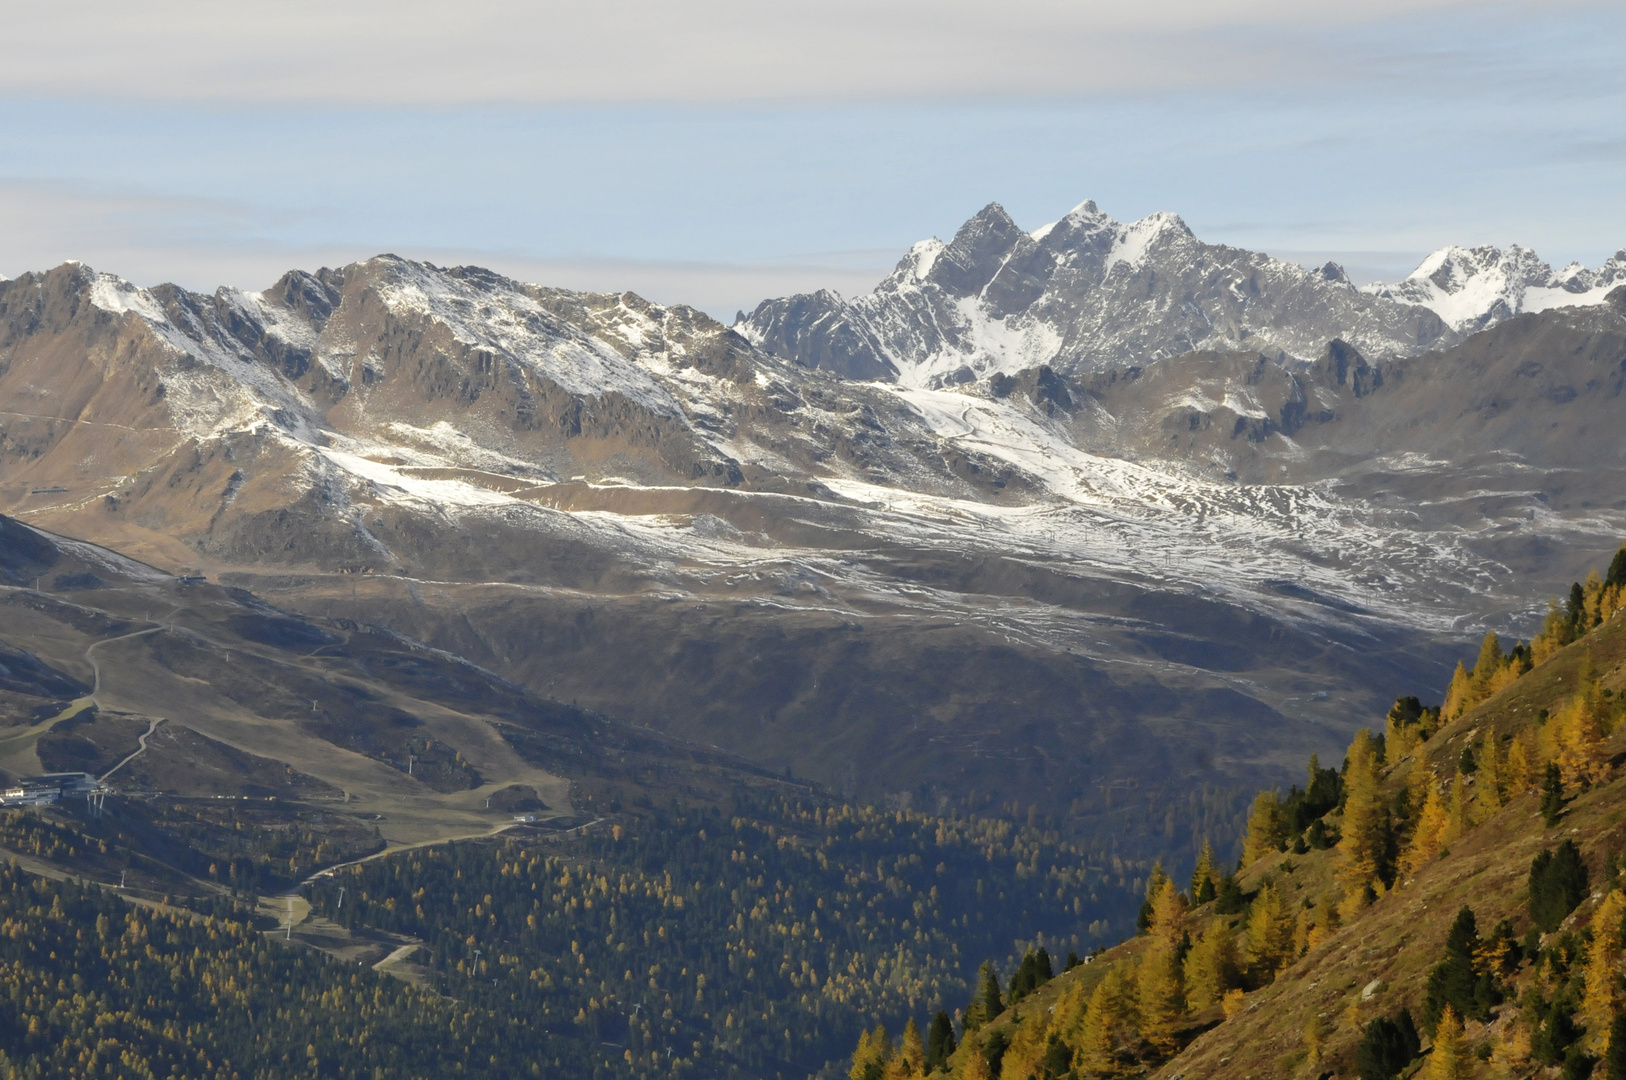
x=1475, y=288
x=1088, y=292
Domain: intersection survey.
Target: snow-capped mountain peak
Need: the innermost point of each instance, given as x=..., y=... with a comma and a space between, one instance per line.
x=1081, y=293
x=1475, y=288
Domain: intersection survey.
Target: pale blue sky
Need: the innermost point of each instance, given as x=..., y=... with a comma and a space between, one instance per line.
x=1372, y=138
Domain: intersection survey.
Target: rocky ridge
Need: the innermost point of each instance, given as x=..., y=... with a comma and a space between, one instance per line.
x=1088, y=292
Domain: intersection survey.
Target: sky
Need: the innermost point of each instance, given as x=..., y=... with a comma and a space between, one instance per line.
x=718, y=152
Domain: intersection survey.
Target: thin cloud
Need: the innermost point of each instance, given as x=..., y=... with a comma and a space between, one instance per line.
x=413, y=52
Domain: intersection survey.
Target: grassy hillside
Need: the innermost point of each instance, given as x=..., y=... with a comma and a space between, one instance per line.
x=1358, y=926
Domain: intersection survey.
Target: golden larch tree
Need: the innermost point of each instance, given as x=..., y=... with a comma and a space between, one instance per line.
x=1096, y=1054
x=1428, y=834
x=1366, y=818
x=1449, y=1060
x=1325, y=923
x=1520, y=770
x=1266, y=828
x=911, y=1058
x=1581, y=754
x=1168, y=915
x=1210, y=966
x=974, y=1065
x=1489, y=796
x=1602, y=999
x=1269, y=932
x=1457, y=697
x=873, y=1052
x=1457, y=819
x=1161, y=996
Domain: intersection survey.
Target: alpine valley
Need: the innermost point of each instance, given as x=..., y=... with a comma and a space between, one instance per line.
x=1023, y=570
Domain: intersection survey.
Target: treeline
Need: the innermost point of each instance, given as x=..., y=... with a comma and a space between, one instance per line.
x=763, y=940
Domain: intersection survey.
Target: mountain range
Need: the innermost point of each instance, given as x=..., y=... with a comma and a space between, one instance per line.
x=1046, y=519
x=1088, y=292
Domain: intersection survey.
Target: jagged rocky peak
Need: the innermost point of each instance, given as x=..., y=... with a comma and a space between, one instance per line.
x=1085, y=292
x=1475, y=288
x=977, y=252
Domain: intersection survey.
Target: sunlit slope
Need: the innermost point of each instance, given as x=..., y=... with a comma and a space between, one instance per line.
x=1431, y=874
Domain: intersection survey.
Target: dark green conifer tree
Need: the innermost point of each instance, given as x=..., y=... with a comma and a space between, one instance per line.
x=939, y=1041
x=1552, y=795
x=1057, y=1063
x=1558, y=882
x=1614, y=1059
x=1557, y=1031
x=1229, y=899
x=1576, y=610
x=1617, y=572
x=1387, y=1047
x=1459, y=981
x=986, y=1003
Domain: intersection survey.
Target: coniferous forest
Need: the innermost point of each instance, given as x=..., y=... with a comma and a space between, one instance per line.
x=756, y=939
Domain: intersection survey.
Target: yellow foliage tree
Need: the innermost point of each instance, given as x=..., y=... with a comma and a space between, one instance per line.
x=1365, y=817
x=1489, y=796
x=974, y=1063
x=1428, y=835
x=1269, y=933
x=1161, y=996
x=1119, y=983
x=873, y=1052
x=1206, y=873
x=1520, y=767
x=1315, y=1038
x=1168, y=915
x=1489, y=665
x=1266, y=828
x=911, y=1059
x=1449, y=1058
x=1602, y=999
x=1418, y=778
x=1457, y=819
x=1512, y=1048
x=1068, y=1018
x=1581, y=755
x=1027, y=1049
x=1096, y=1053
x=1210, y=966
x=1457, y=697
x=1401, y=739
x=1301, y=933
